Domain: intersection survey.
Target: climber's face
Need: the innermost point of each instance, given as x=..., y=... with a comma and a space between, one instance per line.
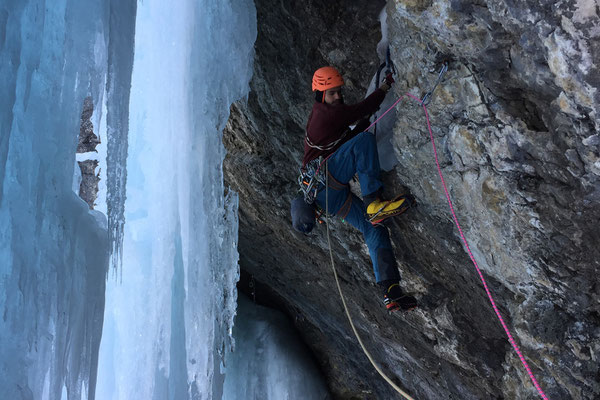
x=334, y=96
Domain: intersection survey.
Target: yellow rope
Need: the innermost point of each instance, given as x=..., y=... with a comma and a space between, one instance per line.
x=383, y=375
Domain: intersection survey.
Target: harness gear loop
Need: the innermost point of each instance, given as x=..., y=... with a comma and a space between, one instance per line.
x=427, y=98
x=311, y=175
x=337, y=281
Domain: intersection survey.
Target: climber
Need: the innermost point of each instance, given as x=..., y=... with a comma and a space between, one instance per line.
x=349, y=152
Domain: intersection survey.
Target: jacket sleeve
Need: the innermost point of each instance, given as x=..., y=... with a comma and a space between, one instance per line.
x=369, y=105
x=362, y=125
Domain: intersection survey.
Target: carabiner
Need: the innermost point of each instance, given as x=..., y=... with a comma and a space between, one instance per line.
x=427, y=98
x=390, y=67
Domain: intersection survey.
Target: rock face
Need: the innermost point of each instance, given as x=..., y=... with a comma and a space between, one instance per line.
x=515, y=122
x=88, y=189
x=87, y=142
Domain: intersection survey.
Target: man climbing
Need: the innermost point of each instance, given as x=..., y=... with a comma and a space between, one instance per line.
x=349, y=152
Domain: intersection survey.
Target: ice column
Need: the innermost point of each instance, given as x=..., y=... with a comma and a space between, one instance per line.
x=53, y=251
x=168, y=318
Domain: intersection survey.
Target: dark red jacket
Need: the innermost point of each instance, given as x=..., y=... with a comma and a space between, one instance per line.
x=328, y=123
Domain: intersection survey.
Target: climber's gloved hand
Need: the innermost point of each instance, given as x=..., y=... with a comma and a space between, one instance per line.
x=389, y=80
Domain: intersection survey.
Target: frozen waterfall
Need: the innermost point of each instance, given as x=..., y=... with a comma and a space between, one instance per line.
x=269, y=363
x=161, y=77
x=53, y=250
x=168, y=315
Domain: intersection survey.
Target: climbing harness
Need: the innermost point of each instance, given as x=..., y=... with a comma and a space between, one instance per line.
x=424, y=102
x=427, y=98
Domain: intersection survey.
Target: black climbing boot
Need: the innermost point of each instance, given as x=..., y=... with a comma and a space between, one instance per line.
x=395, y=300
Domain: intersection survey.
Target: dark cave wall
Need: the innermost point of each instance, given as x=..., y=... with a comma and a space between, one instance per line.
x=515, y=123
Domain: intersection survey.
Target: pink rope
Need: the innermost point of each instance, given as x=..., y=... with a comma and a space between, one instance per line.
x=487, y=290
x=369, y=127
x=387, y=111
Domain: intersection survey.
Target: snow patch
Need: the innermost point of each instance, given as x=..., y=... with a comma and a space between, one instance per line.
x=584, y=10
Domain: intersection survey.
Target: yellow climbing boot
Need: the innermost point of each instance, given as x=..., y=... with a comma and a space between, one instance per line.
x=378, y=210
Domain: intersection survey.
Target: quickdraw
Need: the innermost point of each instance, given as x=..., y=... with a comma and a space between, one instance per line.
x=388, y=65
x=427, y=98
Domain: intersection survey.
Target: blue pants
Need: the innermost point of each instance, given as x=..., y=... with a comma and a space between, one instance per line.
x=359, y=156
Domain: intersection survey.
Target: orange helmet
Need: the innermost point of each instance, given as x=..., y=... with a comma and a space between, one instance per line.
x=326, y=78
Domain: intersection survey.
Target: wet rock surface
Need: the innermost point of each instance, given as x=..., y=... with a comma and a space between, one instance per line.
x=88, y=140
x=515, y=122
x=88, y=189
